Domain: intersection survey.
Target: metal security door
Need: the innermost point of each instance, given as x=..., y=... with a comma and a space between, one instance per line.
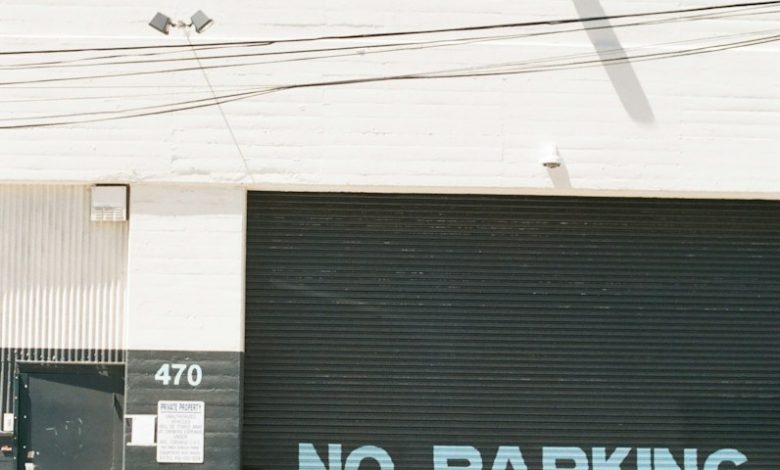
x=70, y=417
x=507, y=332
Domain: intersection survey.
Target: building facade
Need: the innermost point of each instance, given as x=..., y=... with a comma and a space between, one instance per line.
x=421, y=235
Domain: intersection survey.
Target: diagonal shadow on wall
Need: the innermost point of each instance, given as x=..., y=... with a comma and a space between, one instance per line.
x=622, y=75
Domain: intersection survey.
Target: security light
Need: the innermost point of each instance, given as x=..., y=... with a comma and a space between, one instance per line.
x=201, y=22
x=161, y=23
x=550, y=158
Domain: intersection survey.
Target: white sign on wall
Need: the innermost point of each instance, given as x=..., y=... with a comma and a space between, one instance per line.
x=142, y=430
x=180, y=431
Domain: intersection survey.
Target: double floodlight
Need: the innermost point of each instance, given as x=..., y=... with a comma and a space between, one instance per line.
x=200, y=21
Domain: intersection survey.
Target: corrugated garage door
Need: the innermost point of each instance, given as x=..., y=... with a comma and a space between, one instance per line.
x=406, y=322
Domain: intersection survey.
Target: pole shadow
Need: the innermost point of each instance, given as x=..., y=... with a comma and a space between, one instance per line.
x=621, y=74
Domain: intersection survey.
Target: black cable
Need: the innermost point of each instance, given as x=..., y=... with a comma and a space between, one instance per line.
x=254, y=90
x=122, y=56
x=130, y=48
x=409, y=33
x=115, y=97
x=142, y=108
x=409, y=46
x=76, y=62
x=625, y=59
x=221, y=111
x=425, y=76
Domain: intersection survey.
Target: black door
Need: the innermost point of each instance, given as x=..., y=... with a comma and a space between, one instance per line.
x=70, y=418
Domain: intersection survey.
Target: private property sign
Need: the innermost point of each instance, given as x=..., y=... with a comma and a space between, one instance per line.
x=180, y=431
x=461, y=457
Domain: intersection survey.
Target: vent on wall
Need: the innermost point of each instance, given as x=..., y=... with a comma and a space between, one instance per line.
x=109, y=203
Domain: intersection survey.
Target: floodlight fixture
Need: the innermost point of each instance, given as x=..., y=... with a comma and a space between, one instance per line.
x=201, y=21
x=161, y=23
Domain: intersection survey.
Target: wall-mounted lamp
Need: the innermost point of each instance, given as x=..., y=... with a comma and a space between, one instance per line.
x=550, y=158
x=199, y=20
x=161, y=23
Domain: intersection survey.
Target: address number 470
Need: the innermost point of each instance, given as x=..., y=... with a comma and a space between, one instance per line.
x=173, y=373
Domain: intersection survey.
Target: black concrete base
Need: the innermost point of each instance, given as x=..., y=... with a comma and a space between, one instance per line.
x=219, y=389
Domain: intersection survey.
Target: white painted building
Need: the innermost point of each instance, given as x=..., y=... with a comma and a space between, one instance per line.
x=329, y=102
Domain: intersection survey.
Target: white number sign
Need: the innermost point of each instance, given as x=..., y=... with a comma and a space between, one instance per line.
x=172, y=373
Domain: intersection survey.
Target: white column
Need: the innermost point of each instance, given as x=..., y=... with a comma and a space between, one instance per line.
x=186, y=268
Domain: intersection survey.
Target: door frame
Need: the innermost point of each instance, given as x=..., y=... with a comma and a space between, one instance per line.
x=115, y=369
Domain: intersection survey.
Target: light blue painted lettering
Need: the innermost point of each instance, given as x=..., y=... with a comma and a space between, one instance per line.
x=601, y=462
x=691, y=459
x=643, y=460
x=724, y=456
x=508, y=455
x=369, y=452
x=552, y=455
x=443, y=454
x=308, y=459
x=663, y=460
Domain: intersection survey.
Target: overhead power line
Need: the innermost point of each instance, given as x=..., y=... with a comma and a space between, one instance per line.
x=370, y=48
x=525, y=24
x=248, y=91
x=340, y=52
x=527, y=67
x=222, y=112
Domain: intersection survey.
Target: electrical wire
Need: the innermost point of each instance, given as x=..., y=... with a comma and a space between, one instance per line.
x=241, y=155
x=113, y=97
x=525, y=24
x=748, y=11
x=398, y=47
x=491, y=70
x=361, y=51
x=439, y=43
x=248, y=91
x=65, y=62
x=390, y=46
x=620, y=59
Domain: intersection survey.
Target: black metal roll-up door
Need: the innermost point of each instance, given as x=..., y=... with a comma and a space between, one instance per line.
x=406, y=322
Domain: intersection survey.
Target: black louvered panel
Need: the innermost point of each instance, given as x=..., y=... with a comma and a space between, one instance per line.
x=408, y=321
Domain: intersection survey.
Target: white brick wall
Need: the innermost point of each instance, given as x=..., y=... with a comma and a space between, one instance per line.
x=716, y=130
x=185, y=279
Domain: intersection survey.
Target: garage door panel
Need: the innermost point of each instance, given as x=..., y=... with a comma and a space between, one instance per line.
x=409, y=321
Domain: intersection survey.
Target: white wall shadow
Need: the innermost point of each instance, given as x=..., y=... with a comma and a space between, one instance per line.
x=560, y=177
x=622, y=75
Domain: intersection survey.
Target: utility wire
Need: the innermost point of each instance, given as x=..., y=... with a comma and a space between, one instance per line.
x=526, y=24
x=134, y=109
x=221, y=111
x=386, y=48
x=126, y=55
x=510, y=70
x=507, y=69
x=131, y=48
x=77, y=63
x=112, y=97
x=250, y=91
x=397, y=47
